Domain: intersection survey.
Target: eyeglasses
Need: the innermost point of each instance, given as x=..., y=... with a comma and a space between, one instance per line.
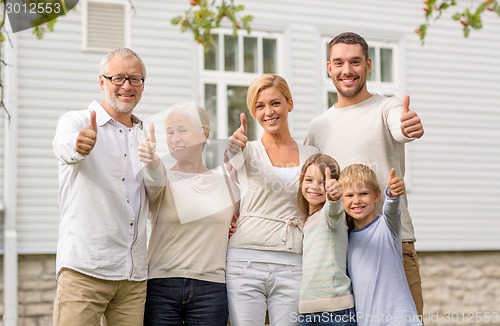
x=120, y=80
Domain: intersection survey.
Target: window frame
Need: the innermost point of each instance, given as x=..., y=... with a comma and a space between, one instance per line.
x=222, y=79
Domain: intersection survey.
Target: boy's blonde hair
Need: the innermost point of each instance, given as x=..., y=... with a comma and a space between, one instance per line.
x=264, y=82
x=357, y=176
x=323, y=161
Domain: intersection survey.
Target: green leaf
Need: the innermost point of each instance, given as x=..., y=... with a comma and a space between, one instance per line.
x=247, y=19
x=176, y=20
x=466, y=31
x=457, y=16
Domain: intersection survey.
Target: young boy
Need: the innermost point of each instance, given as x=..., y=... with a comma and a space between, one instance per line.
x=375, y=262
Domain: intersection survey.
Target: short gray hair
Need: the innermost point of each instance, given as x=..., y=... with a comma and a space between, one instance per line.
x=122, y=52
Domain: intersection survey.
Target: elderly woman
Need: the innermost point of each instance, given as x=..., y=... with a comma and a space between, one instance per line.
x=191, y=210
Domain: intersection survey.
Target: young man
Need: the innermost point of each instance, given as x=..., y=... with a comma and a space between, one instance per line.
x=368, y=129
x=101, y=254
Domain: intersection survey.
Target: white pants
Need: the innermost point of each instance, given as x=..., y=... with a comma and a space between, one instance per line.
x=254, y=287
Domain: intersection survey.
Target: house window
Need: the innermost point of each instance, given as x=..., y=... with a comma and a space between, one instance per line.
x=333, y=97
x=106, y=25
x=229, y=66
x=383, y=77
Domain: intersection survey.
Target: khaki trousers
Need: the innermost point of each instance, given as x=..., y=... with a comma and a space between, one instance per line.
x=82, y=300
x=412, y=271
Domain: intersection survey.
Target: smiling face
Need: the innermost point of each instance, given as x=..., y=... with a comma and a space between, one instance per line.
x=184, y=139
x=359, y=203
x=121, y=99
x=313, y=188
x=271, y=110
x=348, y=67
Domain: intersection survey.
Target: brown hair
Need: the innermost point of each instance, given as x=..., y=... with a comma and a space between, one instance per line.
x=349, y=38
x=323, y=161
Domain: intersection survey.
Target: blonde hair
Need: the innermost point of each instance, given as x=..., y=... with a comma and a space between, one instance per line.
x=322, y=161
x=264, y=82
x=359, y=176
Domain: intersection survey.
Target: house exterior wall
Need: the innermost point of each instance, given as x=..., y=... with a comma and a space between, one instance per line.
x=452, y=81
x=453, y=171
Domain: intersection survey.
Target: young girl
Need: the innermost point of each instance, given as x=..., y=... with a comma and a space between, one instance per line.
x=325, y=295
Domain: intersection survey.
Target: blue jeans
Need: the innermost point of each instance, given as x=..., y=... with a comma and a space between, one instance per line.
x=184, y=301
x=338, y=318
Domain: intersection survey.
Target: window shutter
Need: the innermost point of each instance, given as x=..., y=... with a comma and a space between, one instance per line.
x=106, y=25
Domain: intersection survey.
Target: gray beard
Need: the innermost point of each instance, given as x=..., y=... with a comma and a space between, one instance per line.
x=116, y=105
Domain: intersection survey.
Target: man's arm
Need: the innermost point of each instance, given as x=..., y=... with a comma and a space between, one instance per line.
x=73, y=142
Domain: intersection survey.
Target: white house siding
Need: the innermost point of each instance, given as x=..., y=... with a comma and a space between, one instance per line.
x=303, y=75
x=2, y=201
x=3, y=120
x=454, y=84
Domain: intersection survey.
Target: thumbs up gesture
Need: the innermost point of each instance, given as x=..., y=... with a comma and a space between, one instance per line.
x=239, y=138
x=396, y=184
x=147, y=149
x=332, y=187
x=410, y=122
x=87, y=137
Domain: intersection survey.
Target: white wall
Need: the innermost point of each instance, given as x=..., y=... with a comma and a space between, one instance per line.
x=454, y=85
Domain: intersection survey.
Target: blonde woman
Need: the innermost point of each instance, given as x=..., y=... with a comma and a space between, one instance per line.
x=264, y=261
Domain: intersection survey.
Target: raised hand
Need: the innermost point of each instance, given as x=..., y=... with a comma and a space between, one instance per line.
x=87, y=137
x=239, y=138
x=396, y=184
x=332, y=187
x=147, y=148
x=410, y=122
